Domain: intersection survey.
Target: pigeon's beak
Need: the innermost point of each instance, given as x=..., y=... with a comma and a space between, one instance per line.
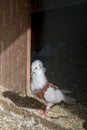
x=32, y=72
x=44, y=69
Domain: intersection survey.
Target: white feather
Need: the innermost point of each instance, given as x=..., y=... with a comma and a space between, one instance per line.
x=53, y=96
x=38, y=80
x=38, y=77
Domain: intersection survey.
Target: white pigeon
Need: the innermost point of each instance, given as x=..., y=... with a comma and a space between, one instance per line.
x=43, y=90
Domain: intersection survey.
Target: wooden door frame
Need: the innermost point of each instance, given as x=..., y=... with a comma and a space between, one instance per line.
x=27, y=89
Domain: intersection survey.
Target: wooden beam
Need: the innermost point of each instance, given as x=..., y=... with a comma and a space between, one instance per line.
x=13, y=44
x=28, y=61
x=28, y=52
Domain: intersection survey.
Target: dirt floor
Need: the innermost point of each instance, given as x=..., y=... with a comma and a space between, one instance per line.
x=20, y=113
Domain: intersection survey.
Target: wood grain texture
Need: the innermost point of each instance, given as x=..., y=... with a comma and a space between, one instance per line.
x=13, y=44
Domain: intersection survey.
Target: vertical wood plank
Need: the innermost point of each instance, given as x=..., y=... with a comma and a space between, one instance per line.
x=14, y=22
x=28, y=61
x=28, y=51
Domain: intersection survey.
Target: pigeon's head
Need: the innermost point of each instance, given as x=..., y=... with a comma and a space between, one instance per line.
x=37, y=66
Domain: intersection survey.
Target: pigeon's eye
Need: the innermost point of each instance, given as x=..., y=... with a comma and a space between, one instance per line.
x=35, y=68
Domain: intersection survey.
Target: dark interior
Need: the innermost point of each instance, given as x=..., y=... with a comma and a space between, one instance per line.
x=62, y=46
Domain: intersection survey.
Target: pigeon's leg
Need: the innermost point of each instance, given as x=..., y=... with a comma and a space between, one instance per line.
x=42, y=108
x=46, y=110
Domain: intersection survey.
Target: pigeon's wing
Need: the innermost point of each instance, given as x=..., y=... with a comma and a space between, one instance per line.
x=39, y=99
x=53, y=86
x=53, y=96
x=56, y=87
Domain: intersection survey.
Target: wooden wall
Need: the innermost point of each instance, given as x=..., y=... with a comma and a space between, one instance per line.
x=14, y=22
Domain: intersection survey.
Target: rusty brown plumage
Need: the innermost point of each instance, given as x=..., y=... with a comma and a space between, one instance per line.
x=40, y=92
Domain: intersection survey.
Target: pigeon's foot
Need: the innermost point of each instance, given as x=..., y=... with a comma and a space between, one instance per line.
x=42, y=111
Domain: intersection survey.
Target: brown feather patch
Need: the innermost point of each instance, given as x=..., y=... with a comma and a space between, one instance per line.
x=40, y=92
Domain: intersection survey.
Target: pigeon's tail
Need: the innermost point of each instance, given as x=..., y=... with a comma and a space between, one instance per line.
x=65, y=91
x=69, y=100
